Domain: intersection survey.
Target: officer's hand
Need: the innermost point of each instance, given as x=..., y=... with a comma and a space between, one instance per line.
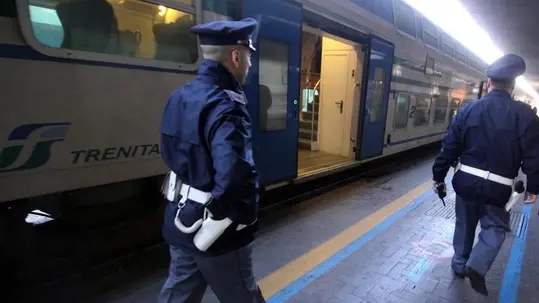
x=530, y=198
x=435, y=186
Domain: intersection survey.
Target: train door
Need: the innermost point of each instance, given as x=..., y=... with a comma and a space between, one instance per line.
x=273, y=87
x=335, y=64
x=376, y=97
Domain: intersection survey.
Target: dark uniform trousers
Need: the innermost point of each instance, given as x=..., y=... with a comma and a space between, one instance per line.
x=494, y=224
x=229, y=276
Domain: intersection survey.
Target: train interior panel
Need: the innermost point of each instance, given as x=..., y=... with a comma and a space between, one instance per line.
x=133, y=28
x=330, y=100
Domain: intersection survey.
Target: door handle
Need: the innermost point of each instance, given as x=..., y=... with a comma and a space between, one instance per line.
x=340, y=103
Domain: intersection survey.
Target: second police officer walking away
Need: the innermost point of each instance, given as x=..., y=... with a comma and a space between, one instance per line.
x=211, y=191
x=493, y=138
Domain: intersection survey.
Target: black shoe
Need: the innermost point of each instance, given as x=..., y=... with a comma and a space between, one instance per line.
x=477, y=281
x=457, y=273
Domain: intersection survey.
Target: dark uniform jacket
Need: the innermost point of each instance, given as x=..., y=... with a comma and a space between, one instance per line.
x=495, y=134
x=206, y=141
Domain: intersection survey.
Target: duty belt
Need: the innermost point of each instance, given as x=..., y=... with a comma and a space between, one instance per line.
x=172, y=187
x=484, y=174
x=186, y=191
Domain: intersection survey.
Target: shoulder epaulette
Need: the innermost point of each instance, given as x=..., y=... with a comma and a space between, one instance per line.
x=240, y=98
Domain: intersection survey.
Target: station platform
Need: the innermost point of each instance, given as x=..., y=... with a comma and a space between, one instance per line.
x=383, y=239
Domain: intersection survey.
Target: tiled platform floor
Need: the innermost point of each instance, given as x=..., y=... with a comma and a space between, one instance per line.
x=409, y=261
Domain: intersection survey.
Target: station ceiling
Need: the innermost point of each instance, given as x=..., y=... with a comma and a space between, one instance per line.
x=513, y=26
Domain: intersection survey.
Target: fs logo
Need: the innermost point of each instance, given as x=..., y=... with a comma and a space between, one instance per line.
x=33, y=140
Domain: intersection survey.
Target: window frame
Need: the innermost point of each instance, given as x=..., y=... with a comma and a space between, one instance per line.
x=435, y=35
x=206, y=13
x=461, y=50
x=470, y=60
x=384, y=79
x=23, y=15
x=429, y=109
x=446, y=108
x=398, y=94
x=400, y=2
x=287, y=100
x=474, y=62
x=450, y=43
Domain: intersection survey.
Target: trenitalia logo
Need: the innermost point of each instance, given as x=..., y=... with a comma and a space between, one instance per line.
x=29, y=146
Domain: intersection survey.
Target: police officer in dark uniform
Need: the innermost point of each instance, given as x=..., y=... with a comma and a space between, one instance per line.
x=493, y=138
x=206, y=143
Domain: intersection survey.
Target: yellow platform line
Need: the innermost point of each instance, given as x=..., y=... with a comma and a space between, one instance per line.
x=290, y=272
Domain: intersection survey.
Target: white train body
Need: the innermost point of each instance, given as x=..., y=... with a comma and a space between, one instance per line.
x=77, y=119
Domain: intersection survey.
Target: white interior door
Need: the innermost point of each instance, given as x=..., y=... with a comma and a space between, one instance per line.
x=333, y=95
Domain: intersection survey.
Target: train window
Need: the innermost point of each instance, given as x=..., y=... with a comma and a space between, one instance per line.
x=471, y=62
x=441, y=109
x=429, y=65
x=422, y=111
x=453, y=107
x=430, y=33
x=129, y=28
x=221, y=10
x=482, y=65
x=404, y=18
x=401, y=111
x=46, y=26
x=448, y=50
x=377, y=95
x=273, y=84
x=448, y=45
x=461, y=54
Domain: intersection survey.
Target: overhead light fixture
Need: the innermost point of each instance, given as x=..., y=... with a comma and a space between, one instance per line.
x=456, y=21
x=162, y=10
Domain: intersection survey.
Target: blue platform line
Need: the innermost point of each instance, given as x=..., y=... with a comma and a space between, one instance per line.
x=295, y=287
x=511, y=278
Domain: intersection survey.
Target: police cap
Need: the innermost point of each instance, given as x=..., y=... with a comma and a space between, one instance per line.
x=226, y=32
x=506, y=68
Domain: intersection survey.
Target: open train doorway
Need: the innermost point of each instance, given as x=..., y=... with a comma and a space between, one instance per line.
x=331, y=73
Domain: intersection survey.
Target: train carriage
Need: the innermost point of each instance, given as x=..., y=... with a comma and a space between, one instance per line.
x=334, y=84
